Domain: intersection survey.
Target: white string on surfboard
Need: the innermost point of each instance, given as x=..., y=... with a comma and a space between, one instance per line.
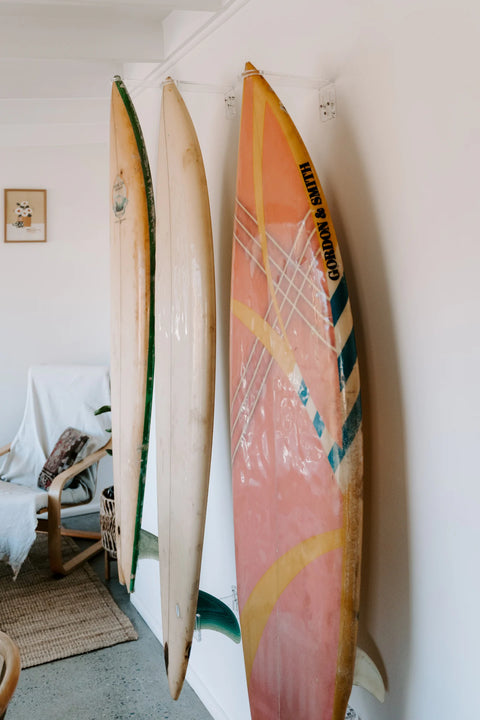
x=300, y=295
x=282, y=275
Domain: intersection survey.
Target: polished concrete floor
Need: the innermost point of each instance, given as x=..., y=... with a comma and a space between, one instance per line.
x=124, y=681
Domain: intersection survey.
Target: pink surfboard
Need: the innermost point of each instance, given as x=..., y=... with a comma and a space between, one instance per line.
x=295, y=426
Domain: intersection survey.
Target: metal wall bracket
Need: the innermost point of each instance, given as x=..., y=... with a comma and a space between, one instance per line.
x=198, y=628
x=234, y=599
x=328, y=102
x=352, y=714
x=230, y=104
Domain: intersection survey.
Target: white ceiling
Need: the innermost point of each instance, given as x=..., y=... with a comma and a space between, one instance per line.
x=72, y=48
x=58, y=59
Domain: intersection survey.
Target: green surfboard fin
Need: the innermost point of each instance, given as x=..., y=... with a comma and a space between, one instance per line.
x=147, y=546
x=214, y=614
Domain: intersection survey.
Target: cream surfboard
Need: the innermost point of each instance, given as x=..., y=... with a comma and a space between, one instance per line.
x=184, y=374
x=296, y=435
x=132, y=257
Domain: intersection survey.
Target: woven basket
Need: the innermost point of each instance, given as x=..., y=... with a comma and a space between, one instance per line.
x=107, y=524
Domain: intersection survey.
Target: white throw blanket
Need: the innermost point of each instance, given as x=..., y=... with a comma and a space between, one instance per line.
x=58, y=397
x=18, y=518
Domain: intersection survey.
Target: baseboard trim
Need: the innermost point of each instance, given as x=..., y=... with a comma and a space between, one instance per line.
x=205, y=696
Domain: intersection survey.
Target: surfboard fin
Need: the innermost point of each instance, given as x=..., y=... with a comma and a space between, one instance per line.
x=214, y=614
x=367, y=676
x=147, y=546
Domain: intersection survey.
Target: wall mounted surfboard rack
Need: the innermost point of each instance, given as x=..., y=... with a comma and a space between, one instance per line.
x=325, y=89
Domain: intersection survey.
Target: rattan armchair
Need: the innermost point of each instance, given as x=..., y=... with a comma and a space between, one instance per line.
x=9, y=671
x=52, y=524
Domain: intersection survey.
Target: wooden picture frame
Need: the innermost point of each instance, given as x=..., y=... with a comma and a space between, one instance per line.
x=25, y=215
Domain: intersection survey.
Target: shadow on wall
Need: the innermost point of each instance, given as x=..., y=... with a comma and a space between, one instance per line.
x=385, y=606
x=229, y=180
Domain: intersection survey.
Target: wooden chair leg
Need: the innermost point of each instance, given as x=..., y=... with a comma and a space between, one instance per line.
x=58, y=567
x=55, y=536
x=55, y=533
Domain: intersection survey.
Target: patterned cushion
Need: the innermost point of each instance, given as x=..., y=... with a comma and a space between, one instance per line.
x=64, y=454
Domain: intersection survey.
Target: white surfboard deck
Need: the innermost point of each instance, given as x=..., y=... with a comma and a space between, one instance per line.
x=184, y=374
x=132, y=223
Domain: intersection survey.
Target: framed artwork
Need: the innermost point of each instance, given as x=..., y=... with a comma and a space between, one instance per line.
x=25, y=215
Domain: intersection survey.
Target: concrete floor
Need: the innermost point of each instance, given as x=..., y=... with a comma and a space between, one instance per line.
x=124, y=681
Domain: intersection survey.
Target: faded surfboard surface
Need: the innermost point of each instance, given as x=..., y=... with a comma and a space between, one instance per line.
x=296, y=437
x=184, y=375
x=132, y=267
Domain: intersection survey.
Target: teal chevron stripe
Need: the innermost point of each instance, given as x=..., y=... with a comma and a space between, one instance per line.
x=349, y=432
x=318, y=424
x=352, y=424
x=347, y=360
x=303, y=393
x=335, y=457
x=339, y=300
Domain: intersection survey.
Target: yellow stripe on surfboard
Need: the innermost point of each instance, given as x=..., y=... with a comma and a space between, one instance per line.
x=265, y=95
x=259, y=104
x=267, y=591
x=277, y=346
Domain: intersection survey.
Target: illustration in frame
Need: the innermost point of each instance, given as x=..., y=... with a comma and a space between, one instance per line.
x=25, y=215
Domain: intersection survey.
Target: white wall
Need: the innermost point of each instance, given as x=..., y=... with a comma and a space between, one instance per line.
x=400, y=169
x=54, y=296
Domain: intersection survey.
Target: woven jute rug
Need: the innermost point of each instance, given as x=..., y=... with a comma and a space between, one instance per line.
x=53, y=618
